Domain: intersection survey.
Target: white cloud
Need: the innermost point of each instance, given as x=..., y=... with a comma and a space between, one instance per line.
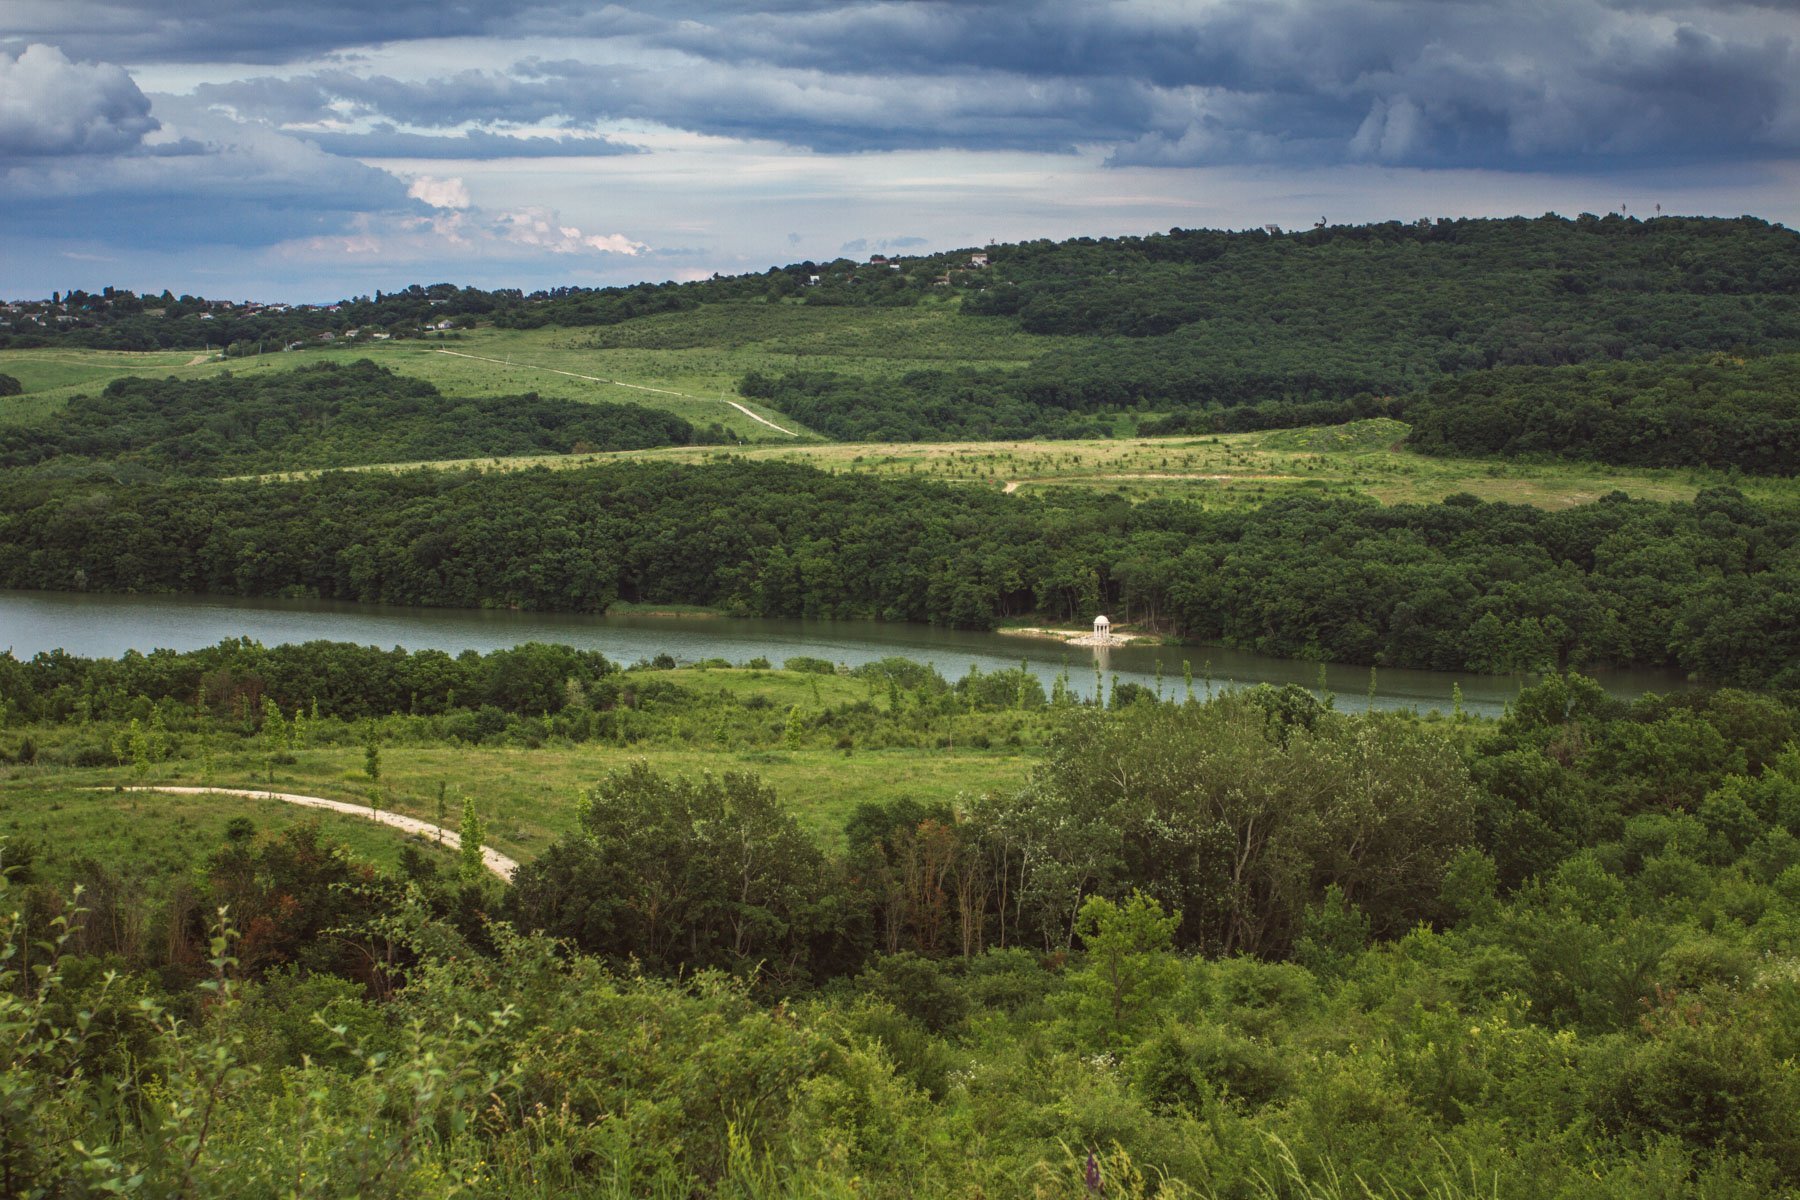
x=542, y=229
x=439, y=193
x=51, y=106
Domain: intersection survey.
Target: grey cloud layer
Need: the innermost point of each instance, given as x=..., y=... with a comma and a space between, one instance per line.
x=815, y=109
x=388, y=142
x=268, y=159
x=1418, y=82
x=142, y=31
x=221, y=183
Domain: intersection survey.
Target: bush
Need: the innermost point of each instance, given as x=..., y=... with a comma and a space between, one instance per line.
x=1190, y=1067
x=918, y=987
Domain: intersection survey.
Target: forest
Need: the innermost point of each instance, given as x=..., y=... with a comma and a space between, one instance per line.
x=1709, y=587
x=321, y=415
x=1248, y=947
x=1717, y=412
x=1226, y=332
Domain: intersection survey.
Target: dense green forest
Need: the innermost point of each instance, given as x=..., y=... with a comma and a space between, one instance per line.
x=1716, y=412
x=1252, y=947
x=1225, y=332
x=1709, y=586
x=1191, y=319
x=323, y=415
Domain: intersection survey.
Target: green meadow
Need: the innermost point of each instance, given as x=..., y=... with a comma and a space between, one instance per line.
x=73, y=819
x=686, y=363
x=527, y=794
x=1237, y=470
x=689, y=364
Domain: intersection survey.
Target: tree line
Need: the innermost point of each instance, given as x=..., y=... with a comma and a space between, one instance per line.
x=1714, y=412
x=237, y=677
x=1706, y=587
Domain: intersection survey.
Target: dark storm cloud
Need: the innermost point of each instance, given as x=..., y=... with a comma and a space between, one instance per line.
x=815, y=109
x=1413, y=82
x=141, y=31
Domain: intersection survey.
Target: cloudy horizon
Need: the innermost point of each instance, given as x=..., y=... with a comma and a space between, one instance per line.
x=328, y=149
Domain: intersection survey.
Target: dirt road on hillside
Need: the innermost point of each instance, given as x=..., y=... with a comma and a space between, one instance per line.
x=492, y=859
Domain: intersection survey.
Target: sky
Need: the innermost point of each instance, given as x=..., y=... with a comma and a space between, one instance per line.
x=318, y=149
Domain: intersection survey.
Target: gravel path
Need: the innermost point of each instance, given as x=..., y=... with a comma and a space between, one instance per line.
x=491, y=858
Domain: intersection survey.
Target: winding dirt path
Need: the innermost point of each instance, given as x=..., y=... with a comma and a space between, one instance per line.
x=617, y=383
x=491, y=858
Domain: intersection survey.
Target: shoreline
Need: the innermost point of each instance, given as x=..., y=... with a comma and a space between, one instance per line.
x=1077, y=637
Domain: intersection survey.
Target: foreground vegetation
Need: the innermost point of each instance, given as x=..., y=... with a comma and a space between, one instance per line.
x=1246, y=948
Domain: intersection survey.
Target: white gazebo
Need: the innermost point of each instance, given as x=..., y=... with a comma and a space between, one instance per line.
x=1102, y=630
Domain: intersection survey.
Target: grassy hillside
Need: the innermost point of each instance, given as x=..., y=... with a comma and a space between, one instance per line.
x=685, y=363
x=1211, y=330
x=1239, y=470
x=828, y=742
x=69, y=817
x=323, y=415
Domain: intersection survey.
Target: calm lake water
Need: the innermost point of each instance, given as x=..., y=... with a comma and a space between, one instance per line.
x=104, y=626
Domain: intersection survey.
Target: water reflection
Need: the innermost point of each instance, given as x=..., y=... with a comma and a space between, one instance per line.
x=107, y=626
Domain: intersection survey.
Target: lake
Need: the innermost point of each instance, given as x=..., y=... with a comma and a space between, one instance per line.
x=106, y=626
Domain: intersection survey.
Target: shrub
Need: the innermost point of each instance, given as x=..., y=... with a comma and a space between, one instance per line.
x=1191, y=1067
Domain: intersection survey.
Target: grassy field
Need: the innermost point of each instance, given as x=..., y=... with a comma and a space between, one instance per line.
x=163, y=836
x=1223, y=471
x=527, y=797
x=485, y=363
x=693, y=360
x=51, y=377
